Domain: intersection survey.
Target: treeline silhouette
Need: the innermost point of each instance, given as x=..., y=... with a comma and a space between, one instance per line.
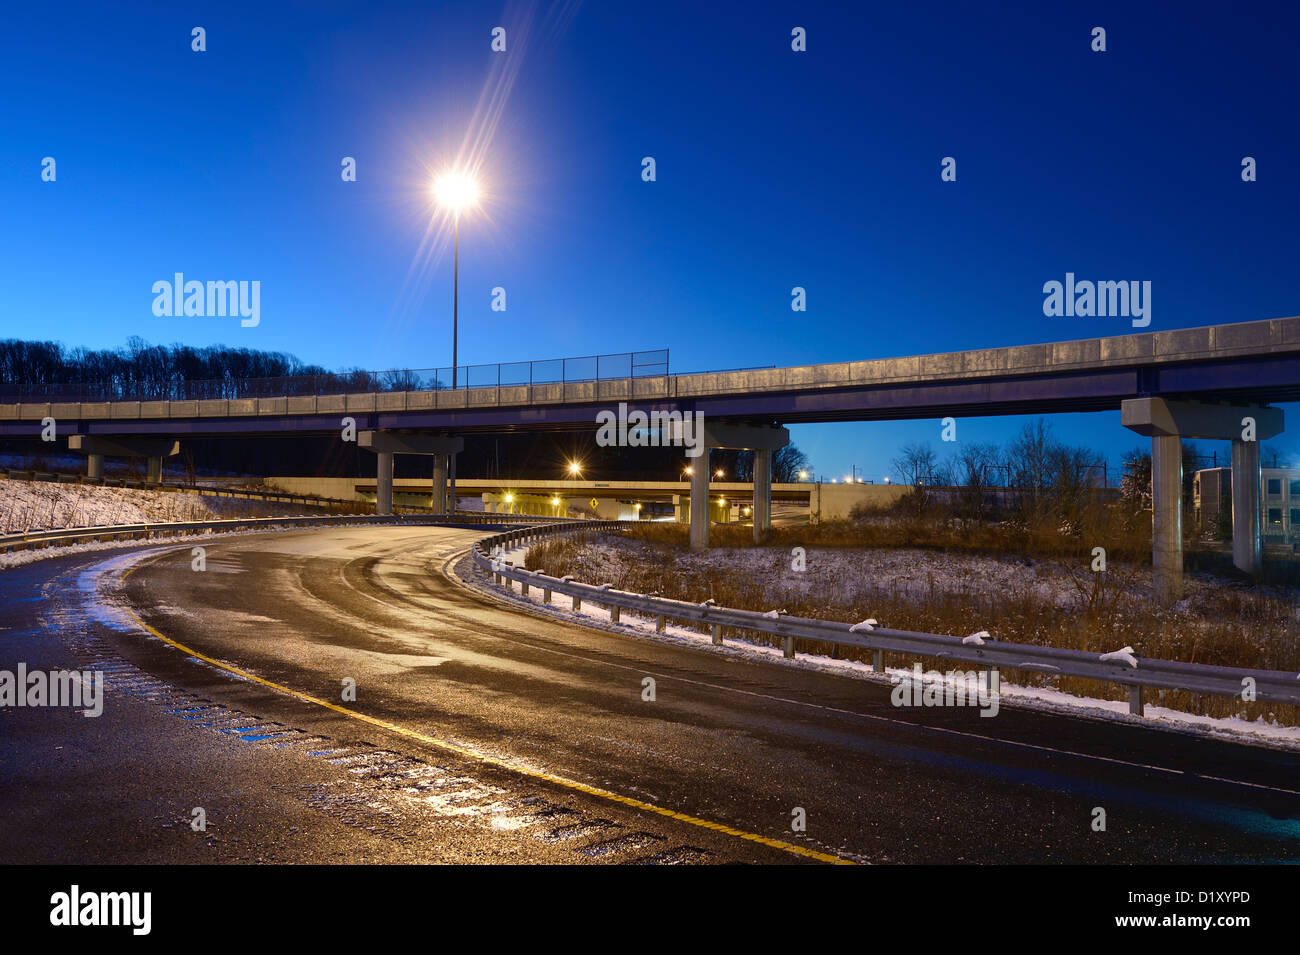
x=140, y=371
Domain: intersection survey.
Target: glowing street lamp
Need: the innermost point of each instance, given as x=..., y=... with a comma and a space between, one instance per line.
x=575, y=469
x=720, y=473
x=803, y=475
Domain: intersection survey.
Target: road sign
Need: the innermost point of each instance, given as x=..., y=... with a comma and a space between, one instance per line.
x=595, y=503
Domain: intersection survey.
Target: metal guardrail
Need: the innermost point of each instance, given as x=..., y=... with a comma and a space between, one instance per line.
x=75, y=535
x=1270, y=685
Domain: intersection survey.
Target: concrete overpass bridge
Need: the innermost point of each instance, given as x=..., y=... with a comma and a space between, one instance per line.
x=609, y=500
x=1196, y=382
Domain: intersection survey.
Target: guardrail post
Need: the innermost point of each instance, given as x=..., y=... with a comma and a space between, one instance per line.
x=613, y=613
x=717, y=634
x=878, y=661
x=788, y=648
x=546, y=595
x=995, y=682
x=523, y=588
x=577, y=603
x=1135, y=705
x=660, y=620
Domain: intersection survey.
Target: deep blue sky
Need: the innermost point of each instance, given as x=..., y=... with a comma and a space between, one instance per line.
x=775, y=169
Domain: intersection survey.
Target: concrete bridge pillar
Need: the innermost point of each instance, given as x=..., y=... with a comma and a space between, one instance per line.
x=763, y=439
x=1167, y=422
x=389, y=443
x=440, y=483
x=1247, y=541
x=762, y=494
x=700, y=502
x=96, y=447
x=1167, y=517
x=384, y=482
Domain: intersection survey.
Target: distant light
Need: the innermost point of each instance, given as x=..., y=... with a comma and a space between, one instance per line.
x=575, y=467
x=859, y=480
x=835, y=480
x=637, y=505
x=510, y=498
x=886, y=480
x=555, y=501
x=803, y=475
x=456, y=191
x=720, y=473
x=688, y=471
x=848, y=480
x=746, y=511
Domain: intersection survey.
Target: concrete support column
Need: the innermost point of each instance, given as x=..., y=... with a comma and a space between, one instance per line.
x=700, y=501
x=451, y=495
x=1167, y=517
x=153, y=473
x=95, y=466
x=762, y=494
x=1247, y=544
x=440, y=484
x=384, y=482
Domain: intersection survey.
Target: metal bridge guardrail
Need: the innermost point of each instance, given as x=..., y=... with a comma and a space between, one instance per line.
x=1275, y=686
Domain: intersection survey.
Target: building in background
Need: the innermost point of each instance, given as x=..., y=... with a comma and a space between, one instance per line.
x=1279, y=497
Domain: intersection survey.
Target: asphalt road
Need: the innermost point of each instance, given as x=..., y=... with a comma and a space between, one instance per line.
x=481, y=732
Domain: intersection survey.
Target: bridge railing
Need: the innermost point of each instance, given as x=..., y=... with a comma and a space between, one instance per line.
x=623, y=365
x=991, y=655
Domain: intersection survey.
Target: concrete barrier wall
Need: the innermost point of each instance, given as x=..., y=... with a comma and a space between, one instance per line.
x=837, y=500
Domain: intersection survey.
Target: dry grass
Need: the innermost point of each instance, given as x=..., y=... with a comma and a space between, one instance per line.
x=1219, y=623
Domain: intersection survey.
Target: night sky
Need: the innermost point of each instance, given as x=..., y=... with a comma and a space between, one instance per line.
x=774, y=169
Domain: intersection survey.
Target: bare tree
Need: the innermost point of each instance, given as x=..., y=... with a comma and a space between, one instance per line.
x=914, y=464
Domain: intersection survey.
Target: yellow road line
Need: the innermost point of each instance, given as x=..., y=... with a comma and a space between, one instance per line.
x=479, y=756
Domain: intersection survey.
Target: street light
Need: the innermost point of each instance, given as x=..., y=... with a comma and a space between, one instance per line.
x=803, y=475
x=719, y=473
x=575, y=468
x=455, y=192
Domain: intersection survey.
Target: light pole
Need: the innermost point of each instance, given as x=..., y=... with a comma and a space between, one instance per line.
x=455, y=191
x=455, y=298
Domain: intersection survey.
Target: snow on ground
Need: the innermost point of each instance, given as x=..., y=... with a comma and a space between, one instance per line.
x=45, y=505
x=847, y=577
x=592, y=614
x=42, y=505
